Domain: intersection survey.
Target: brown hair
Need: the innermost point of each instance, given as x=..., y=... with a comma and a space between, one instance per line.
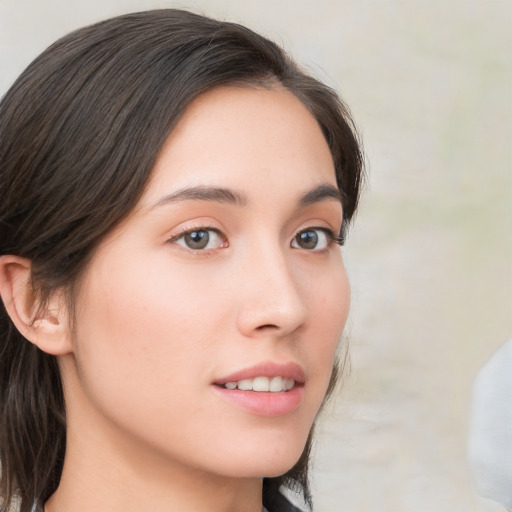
x=80, y=130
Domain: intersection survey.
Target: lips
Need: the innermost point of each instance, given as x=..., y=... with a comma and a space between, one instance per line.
x=267, y=389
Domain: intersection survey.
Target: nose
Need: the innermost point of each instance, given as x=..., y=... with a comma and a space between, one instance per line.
x=271, y=303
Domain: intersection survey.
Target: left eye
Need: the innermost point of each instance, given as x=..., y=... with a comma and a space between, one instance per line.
x=313, y=239
x=200, y=239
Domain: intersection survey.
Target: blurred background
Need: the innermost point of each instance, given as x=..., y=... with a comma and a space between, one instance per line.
x=429, y=84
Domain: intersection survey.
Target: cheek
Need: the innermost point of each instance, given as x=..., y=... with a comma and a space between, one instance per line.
x=329, y=307
x=144, y=350
x=142, y=335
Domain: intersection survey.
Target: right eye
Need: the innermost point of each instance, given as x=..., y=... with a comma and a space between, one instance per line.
x=200, y=239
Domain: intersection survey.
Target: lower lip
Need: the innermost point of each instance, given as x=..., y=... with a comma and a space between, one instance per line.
x=263, y=403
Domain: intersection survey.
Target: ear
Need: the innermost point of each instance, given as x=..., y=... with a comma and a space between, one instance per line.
x=49, y=328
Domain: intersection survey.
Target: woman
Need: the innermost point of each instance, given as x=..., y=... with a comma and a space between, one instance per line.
x=173, y=192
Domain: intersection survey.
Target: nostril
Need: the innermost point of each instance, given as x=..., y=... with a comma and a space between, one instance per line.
x=266, y=326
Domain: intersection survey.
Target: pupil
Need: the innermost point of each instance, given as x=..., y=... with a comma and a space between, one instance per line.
x=308, y=239
x=197, y=239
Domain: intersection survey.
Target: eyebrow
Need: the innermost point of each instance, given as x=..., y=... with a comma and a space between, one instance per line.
x=224, y=195
x=204, y=193
x=320, y=193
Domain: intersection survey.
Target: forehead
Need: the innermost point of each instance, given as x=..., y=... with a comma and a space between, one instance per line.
x=244, y=137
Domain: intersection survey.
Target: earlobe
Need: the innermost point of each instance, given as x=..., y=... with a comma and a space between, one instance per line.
x=45, y=327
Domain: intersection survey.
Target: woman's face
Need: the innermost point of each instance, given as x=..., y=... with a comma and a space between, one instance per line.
x=225, y=277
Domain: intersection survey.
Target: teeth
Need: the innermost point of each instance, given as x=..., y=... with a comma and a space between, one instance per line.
x=245, y=385
x=289, y=384
x=274, y=384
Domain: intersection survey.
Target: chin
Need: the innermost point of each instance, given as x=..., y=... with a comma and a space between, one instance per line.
x=266, y=459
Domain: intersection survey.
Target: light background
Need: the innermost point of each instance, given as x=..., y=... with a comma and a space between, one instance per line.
x=430, y=258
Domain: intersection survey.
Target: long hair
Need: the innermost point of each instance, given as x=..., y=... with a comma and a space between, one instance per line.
x=80, y=131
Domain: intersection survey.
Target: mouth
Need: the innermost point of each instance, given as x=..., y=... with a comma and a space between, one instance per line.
x=267, y=389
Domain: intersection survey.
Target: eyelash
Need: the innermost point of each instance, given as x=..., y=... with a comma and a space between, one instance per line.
x=332, y=238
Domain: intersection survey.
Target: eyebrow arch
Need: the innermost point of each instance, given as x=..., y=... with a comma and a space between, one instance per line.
x=320, y=193
x=204, y=193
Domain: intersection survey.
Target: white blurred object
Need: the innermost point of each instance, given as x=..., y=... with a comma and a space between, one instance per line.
x=490, y=435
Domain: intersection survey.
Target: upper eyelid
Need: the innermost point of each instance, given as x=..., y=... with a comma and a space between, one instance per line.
x=179, y=232
x=326, y=229
x=318, y=219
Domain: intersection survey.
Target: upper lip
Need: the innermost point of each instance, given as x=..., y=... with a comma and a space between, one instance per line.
x=288, y=370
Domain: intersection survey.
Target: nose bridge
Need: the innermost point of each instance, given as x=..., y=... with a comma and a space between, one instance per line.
x=271, y=300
